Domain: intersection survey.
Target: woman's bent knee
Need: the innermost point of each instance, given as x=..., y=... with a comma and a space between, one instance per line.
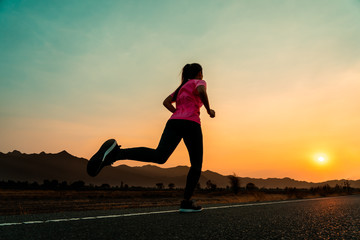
x=161, y=159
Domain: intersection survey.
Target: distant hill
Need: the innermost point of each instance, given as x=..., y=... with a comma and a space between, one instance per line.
x=63, y=166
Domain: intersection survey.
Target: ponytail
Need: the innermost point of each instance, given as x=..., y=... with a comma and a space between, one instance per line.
x=189, y=71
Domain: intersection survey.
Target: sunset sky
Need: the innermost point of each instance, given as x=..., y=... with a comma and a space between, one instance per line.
x=283, y=78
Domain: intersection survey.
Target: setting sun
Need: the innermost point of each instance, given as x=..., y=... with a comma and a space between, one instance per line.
x=321, y=158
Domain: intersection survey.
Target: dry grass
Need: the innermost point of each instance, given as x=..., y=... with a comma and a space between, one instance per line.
x=42, y=201
x=19, y=202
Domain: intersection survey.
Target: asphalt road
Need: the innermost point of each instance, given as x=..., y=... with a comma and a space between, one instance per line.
x=323, y=218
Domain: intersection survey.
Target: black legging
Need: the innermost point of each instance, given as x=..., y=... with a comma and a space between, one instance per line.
x=175, y=130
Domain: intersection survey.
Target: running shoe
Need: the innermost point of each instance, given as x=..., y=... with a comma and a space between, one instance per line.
x=188, y=206
x=104, y=157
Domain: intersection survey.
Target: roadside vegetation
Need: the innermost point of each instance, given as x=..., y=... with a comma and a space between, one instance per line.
x=55, y=196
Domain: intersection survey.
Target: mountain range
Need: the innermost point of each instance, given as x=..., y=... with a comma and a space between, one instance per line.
x=63, y=166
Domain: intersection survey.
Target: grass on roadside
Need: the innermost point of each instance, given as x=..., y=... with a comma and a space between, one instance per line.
x=19, y=202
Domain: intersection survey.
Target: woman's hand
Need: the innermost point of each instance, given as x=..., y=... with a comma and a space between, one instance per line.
x=211, y=113
x=168, y=104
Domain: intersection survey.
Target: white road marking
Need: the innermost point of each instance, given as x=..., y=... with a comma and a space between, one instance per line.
x=32, y=222
x=157, y=212
x=9, y=224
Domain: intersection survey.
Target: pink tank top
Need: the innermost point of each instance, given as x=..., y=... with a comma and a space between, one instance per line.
x=188, y=101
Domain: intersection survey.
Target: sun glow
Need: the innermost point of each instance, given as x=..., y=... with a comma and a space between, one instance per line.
x=321, y=158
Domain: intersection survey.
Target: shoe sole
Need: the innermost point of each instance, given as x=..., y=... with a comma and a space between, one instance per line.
x=96, y=163
x=184, y=210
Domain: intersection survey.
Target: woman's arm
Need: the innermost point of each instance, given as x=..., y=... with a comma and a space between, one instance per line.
x=204, y=98
x=168, y=104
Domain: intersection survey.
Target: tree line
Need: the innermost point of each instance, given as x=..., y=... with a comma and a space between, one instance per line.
x=77, y=185
x=234, y=181
x=324, y=190
x=56, y=185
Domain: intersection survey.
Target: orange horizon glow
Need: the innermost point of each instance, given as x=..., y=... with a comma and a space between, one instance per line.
x=282, y=78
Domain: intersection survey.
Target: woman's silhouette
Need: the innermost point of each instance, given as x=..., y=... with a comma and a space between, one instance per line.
x=184, y=123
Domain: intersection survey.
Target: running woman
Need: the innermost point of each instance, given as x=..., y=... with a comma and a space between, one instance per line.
x=184, y=123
